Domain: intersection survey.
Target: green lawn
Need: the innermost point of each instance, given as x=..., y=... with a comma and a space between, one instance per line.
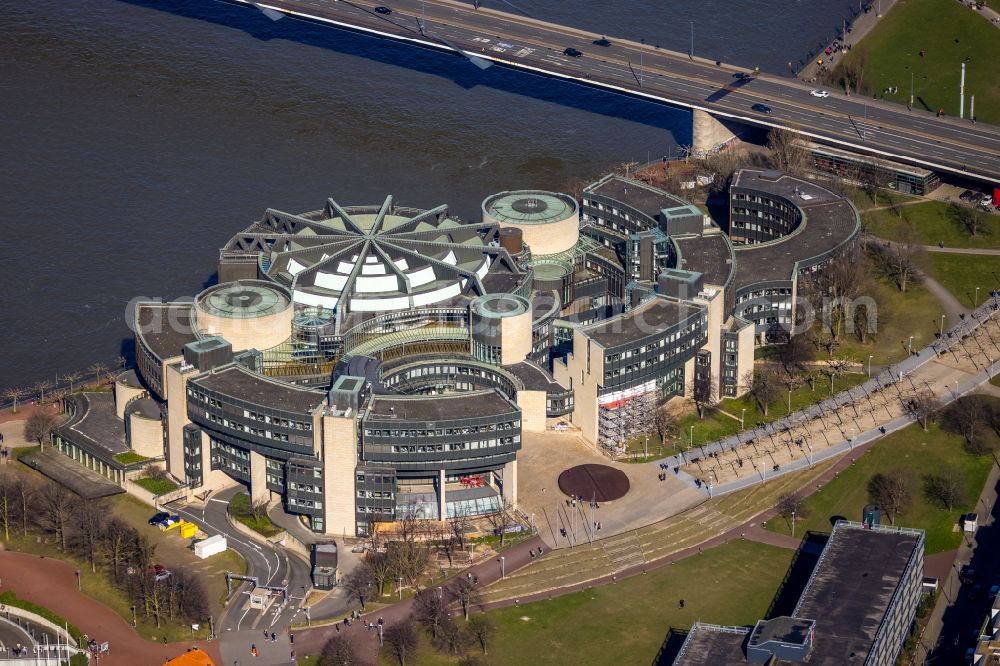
x=156, y=486
x=934, y=223
x=130, y=458
x=9, y=598
x=627, y=623
x=239, y=508
x=716, y=425
x=911, y=449
x=948, y=33
x=962, y=273
x=900, y=315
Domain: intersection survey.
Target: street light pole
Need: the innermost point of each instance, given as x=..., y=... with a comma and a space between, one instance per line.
x=909, y=346
x=692, y=435
x=789, y=401
x=793, y=523
x=911, y=88
x=870, y=356
x=742, y=416
x=691, y=52
x=975, y=301
x=941, y=332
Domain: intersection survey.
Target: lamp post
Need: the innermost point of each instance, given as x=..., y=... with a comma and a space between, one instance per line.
x=692, y=436
x=793, y=523
x=789, y=401
x=691, y=52
x=503, y=571
x=975, y=301
x=941, y=330
x=742, y=416
x=646, y=449
x=870, y=357
x=909, y=346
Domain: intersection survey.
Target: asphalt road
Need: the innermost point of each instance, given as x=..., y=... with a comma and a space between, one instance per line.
x=272, y=566
x=918, y=136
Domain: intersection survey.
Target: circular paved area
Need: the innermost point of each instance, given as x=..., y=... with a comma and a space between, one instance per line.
x=598, y=482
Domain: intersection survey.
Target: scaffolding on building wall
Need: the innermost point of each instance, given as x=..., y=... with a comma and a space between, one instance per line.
x=624, y=415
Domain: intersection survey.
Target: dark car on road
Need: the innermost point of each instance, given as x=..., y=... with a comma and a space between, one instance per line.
x=158, y=518
x=603, y=41
x=761, y=108
x=383, y=10
x=572, y=53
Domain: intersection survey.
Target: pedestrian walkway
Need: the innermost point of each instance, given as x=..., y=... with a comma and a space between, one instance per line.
x=860, y=26
x=52, y=584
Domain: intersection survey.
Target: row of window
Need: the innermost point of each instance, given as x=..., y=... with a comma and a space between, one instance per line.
x=304, y=503
x=375, y=478
x=241, y=427
x=255, y=416
x=459, y=446
x=375, y=494
x=305, y=487
x=439, y=432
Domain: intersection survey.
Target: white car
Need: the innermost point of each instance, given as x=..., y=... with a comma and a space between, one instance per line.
x=819, y=93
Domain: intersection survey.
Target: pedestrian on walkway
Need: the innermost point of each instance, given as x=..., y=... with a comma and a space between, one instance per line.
x=274, y=637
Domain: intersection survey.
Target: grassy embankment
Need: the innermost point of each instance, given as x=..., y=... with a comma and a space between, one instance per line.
x=912, y=449
x=948, y=33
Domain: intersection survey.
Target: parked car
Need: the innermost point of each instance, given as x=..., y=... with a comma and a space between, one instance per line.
x=819, y=93
x=168, y=521
x=383, y=10
x=159, y=518
x=160, y=576
x=761, y=108
x=572, y=53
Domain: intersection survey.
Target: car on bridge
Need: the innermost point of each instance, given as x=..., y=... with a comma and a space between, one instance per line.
x=383, y=10
x=819, y=93
x=572, y=53
x=761, y=108
x=603, y=41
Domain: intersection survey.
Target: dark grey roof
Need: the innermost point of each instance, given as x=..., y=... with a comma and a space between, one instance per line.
x=640, y=196
x=238, y=382
x=164, y=327
x=648, y=318
x=96, y=425
x=714, y=646
x=144, y=407
x=829, y=222
x=710, y=254
x=850, y=590
x=534, y=377
x=130, y=379
x=440, y=407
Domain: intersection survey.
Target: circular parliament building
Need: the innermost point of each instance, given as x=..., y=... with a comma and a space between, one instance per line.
x=367, y=363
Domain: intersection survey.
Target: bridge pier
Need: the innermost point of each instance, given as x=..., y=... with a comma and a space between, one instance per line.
x=708, y=133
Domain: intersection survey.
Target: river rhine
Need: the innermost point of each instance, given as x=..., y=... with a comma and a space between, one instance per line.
x=139, y=135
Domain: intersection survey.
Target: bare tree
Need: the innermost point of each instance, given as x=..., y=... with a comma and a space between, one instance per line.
x=402, y=639
x=117, y=544
x=790, y=504
x=466, y=593
x=787, y=152
x=341, y=651
x=89, y=518
x=72, y=378
x=967, y=417
x=968, y=218
x=98, y=370
x=451, y=638
x=892, y=492
x=482, y=629
x=901, y=259
x=836, y=367
x=8, y=502
x=257, y=509
x=380, y=569
x=764, y=385
x=459, y=524
x=14, y=394
x=39, y=426
x=26, y=492
x=924, y=406
x=945, y=487
x=431, y=611
x=359, y=584
x=55, y=511
x=409, y=559
x=41, y=386
x=795, y=353
x=666, y=423
x=500, y=520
